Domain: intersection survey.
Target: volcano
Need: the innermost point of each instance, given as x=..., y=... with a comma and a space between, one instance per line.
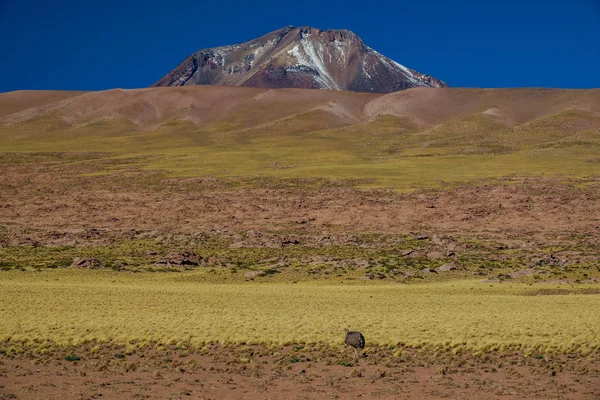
x=299, y=57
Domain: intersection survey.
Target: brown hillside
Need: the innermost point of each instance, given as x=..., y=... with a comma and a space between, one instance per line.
x=251, y=106
x=514, y=106
x=13, y=102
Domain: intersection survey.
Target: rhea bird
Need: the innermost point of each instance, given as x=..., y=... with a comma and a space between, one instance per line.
x=354, y=339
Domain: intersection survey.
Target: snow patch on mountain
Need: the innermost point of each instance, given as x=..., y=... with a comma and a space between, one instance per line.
x=333, y=59
x=314, y=51
x=365, y=68
x=394, y=66
x=341, y=48
x=295, y=52
x=311, y=57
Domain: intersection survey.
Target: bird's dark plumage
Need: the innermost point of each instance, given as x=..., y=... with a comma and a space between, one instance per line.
x=354, y=339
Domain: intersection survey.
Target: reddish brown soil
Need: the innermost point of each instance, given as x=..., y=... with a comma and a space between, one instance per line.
x=55, y=204
x=14, y=102
x=52, y=205
x=212, y=377
x=200, y=104
x=514, y=106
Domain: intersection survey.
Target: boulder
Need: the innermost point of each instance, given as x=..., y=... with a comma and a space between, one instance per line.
x=181, y=258
x=522, y=273
x=436, y=254
x=289, y=240
x=447, y=267
x=82, y=262
x=419, y=236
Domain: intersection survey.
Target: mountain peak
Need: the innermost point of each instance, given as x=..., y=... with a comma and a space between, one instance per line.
x=299, y=57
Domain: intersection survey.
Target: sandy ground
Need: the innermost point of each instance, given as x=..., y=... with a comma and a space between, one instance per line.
x=208, y=377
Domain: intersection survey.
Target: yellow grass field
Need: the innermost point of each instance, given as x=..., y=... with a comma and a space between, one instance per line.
x=70, y=307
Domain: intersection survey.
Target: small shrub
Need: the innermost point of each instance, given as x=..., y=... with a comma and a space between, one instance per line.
x=72, y=357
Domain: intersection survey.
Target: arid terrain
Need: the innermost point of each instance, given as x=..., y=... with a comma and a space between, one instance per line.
x=218, y=375
x=214, y=242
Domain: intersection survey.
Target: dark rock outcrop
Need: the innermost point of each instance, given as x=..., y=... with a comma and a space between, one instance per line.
x=181, y=258
x=82, y=262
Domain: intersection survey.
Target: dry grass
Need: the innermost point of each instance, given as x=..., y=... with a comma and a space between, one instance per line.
x=70, y=307
x=282, y=134
x=406, y=141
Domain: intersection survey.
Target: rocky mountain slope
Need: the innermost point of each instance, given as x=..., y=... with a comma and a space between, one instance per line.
x=302, y=57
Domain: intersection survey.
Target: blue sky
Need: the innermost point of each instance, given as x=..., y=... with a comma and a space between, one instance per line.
x=94, y=45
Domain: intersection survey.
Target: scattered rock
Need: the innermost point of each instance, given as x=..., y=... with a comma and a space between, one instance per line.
x=181, y=258
x=419, y=236
x=452, y=266
x=379, y=373
x=252, y=274
x=335, y=240
x=254, y=234
x=215, y=260
x=289, y=241
x=522, y=273
x=549, y=259
x=434, y=255
x=437, y=239
x=344, y=240
x=92, y=233
x=24, y=242
x=323, y=239
x=80, y=262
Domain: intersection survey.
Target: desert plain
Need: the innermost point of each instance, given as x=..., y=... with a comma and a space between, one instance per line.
x=214, y=242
